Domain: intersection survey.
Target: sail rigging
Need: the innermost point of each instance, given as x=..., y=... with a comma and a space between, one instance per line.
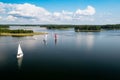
x=20, y=52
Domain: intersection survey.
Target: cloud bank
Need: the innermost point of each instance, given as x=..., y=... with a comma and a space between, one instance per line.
x=29, y=13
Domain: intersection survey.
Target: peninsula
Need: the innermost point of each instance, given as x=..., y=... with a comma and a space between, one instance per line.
x=5, y=31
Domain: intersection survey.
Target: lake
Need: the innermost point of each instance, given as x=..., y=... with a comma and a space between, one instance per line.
x=73, y=55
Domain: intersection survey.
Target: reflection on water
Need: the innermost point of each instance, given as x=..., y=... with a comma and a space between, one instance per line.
x=87, y=39
x=45, y=39
x=90, y=41
x=20, y=62
x=55, y=41
x=45, y=42
x=79, y=40
x=2, y=57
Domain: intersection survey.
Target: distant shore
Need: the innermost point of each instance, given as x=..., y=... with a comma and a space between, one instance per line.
x=22, y=34
x=87, y=30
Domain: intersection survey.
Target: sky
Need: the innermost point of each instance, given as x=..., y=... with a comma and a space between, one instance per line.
x=59, y=12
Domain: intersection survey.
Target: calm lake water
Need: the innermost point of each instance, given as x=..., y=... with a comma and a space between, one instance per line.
x=74, y=55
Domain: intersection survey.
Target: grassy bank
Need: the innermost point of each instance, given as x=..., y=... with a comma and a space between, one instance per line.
x=18, y=32
x=22, y=34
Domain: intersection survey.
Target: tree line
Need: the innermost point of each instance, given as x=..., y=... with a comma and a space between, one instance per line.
x=57, y=26
x=96, y=27
x=87, y=28
x=4, y=26
x=15, y=31
x=117, y=26
x=78, y=28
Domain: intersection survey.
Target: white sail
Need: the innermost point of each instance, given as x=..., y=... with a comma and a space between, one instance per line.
x=20, y=52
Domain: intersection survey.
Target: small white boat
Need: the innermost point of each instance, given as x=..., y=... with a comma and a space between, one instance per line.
x=20, y=52
x=45, y=37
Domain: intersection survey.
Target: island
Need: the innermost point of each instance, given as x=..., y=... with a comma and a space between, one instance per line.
x=5, y=31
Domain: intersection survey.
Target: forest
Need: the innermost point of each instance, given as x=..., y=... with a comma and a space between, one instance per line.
x=78, y=28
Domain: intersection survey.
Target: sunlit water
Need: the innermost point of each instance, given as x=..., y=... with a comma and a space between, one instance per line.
x=91, y=55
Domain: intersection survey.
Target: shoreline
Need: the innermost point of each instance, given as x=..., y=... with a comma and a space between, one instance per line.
x=87, y=30
x=22, y=34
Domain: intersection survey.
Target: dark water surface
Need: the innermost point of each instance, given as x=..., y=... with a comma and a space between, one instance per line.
x=81, y=55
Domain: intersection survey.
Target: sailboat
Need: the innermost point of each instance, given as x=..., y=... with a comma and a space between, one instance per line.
x=20, y=52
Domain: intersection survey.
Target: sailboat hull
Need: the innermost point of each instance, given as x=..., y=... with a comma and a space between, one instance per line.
x=20, y=55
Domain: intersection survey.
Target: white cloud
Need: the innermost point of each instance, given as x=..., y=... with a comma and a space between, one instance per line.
x=67, y=12
x=28, y=11
x=31, y=13
x=57, y=14
x=1, y=8
x=0, y=18
x=88, y=11
x=11, y=18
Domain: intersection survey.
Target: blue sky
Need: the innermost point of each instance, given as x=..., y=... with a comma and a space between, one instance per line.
x=63, y=11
